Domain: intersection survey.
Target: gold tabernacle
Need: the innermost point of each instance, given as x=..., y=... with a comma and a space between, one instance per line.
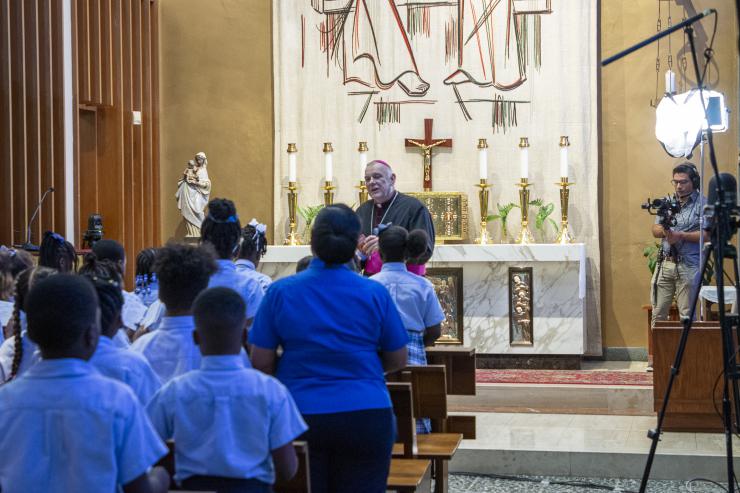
x=449, y=212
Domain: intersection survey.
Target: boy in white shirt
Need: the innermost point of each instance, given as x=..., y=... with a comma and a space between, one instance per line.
x=68, y=427
x=183, y=271
x=233, y=426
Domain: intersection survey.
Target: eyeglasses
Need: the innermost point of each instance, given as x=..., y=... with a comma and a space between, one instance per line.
x=680, y=182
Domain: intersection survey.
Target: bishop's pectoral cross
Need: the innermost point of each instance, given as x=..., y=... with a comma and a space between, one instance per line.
x=426, y=146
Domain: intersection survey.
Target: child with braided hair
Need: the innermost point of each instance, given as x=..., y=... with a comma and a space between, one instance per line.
x=57, y=253
x=133, y=308
x=253, y=247
x=19, y=353
x=221, y=229
x=111, y=360
x=12, y=263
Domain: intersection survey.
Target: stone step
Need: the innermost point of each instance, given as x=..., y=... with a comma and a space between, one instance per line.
x=568, y=399
x=571, y=445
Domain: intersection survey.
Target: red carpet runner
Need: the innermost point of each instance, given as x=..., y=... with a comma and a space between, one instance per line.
x=568, y=377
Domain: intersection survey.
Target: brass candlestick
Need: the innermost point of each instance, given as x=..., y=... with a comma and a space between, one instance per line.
x=362, y=192
x=293, y=237
x=525, y=235
x=328, y=193
x=564, y=236
x=484, y=238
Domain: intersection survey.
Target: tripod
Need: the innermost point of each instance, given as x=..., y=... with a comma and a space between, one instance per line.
x=719, y=248
x=725, y=214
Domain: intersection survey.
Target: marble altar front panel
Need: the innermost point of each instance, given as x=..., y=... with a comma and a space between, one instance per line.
x=559, y=297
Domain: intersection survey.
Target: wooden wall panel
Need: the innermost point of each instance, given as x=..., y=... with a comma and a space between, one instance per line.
x=6, y=136
x=46, y=113
x=31, y=116
x=30, y=68
x=116, y=163
x=17, y=159
x=57, y=124
x=122, y=74
x=156, y=212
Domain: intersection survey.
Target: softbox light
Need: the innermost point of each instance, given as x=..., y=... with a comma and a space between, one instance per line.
x=680, y=120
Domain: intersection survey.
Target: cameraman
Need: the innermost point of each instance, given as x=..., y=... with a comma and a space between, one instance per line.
x=679, y=269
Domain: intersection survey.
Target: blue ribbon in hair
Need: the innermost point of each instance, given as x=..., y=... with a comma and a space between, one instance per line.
x=231, y=219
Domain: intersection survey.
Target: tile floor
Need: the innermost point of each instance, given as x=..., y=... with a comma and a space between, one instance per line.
x=471, y=483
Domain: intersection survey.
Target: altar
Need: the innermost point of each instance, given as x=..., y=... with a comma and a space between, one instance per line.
x=516, y=299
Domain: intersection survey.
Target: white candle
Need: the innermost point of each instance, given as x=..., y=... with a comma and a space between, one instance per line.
x=564, y=162
x=524, y=162
x=363, y=165
x=328, y=165
x=483, y=163
x=292, y=158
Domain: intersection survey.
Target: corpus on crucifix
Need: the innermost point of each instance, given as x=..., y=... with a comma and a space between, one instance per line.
x=426, y=145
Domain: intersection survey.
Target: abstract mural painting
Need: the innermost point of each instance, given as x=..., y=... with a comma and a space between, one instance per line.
x=487, y=44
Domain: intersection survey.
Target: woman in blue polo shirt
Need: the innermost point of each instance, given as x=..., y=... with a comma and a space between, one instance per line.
x=339, y=332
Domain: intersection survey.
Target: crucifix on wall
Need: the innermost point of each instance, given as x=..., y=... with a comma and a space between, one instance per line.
x=426, y=145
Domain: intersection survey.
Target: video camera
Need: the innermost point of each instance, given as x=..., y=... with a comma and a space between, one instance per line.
x=665, y=208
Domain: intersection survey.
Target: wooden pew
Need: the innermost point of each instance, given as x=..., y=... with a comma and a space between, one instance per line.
x=301, y=482
x=406, y=471
x=410, y=476
x=460, y=364
x=437, y=447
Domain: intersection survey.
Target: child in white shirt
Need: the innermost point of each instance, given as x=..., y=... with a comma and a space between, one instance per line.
x=184, y=271
x=233, y=426
x=69, y=427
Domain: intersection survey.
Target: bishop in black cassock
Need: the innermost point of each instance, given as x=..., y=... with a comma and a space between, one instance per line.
x=389, y=206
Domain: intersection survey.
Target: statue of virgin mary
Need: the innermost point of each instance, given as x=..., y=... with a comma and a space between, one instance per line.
x=193, y=190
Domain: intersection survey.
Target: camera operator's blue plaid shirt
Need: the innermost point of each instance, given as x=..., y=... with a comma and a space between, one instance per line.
x=687, y=220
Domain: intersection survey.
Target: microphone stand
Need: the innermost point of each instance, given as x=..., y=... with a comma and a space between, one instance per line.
x=28, y=246
x=725, y=215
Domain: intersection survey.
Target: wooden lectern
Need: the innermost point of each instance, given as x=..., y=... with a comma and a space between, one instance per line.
x=690, y=407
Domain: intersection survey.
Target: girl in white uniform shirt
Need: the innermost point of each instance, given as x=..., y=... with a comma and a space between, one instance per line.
x=133, y=308
x=222, y=230
x=18, y=353
x=253, y=247
x=112, y=361
x=12, y=263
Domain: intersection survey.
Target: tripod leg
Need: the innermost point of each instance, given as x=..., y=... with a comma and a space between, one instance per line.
x=654, y=434
x=733, y=353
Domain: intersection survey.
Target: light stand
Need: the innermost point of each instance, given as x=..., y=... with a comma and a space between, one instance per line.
x=725, y=215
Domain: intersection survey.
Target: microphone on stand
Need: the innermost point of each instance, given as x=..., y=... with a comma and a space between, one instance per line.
x=28, y=246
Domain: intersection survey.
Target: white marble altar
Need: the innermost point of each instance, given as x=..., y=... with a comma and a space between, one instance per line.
x=559, y=285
